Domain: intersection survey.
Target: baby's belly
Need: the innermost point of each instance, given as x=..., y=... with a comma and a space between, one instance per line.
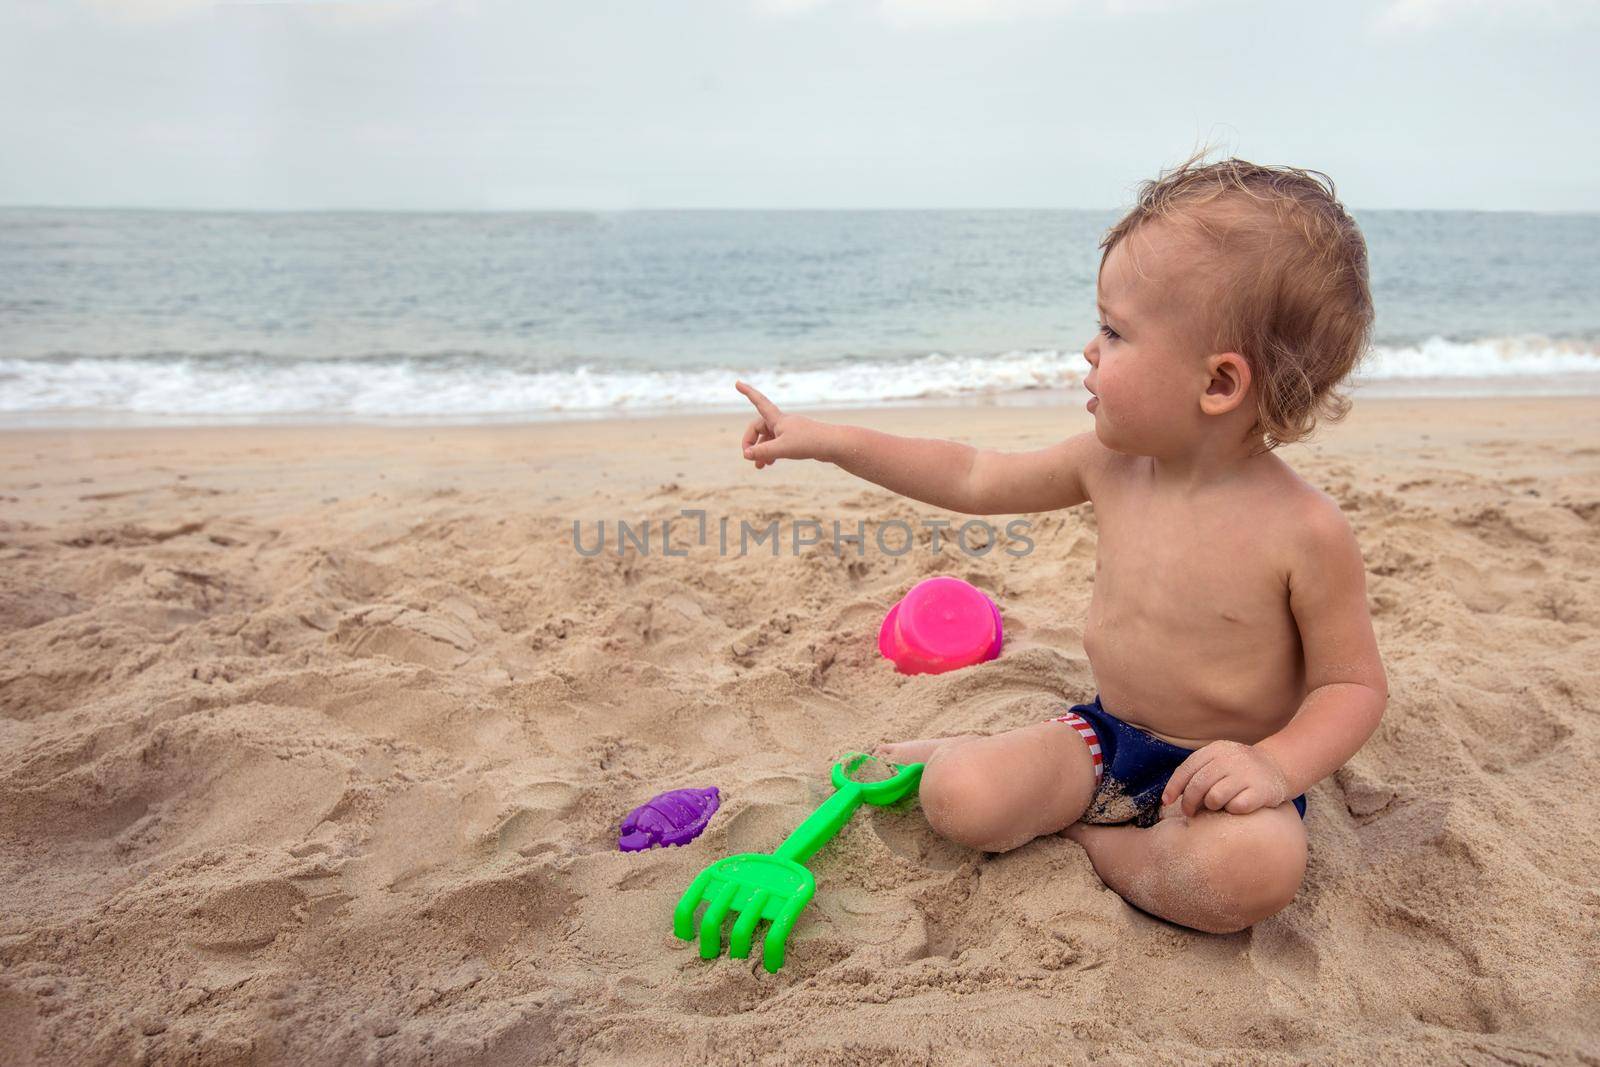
x=1192, y=691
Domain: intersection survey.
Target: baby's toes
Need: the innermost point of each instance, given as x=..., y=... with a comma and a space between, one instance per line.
x=904, y=752
x=888, y=751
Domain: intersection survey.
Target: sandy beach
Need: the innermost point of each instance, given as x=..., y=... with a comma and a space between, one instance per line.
x=314, y=742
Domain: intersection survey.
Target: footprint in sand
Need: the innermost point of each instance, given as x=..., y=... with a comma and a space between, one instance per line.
x=539, y=807
x=867, y=916
x=1279, y=950
x=904, y=831
x=527, y=908
x=403, y=634
x=776, y=789
x=247, y=917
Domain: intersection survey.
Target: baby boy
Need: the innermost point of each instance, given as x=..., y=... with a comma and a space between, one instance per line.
x=1228, y=631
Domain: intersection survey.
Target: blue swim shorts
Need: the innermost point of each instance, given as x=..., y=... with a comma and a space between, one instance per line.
x=1131, y=767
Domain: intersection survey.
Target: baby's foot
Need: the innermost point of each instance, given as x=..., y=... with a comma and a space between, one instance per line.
x=904, y=752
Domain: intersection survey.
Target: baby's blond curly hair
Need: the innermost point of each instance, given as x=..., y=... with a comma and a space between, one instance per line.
x=1287, y=279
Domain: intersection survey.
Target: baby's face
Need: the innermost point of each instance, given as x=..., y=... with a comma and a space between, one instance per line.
x=1147, y=360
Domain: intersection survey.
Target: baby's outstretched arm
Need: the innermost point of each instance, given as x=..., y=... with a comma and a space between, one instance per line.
x=946, y=474
x=1346, y=688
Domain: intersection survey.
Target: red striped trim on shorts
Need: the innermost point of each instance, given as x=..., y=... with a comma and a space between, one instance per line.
x=1090, y=738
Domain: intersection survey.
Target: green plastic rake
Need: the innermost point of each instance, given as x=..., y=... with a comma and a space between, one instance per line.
x=755, y=886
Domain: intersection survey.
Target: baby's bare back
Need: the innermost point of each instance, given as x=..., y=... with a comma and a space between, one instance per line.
x=1190, y=633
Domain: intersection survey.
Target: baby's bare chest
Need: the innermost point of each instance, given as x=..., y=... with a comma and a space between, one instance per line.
x=1182, y=568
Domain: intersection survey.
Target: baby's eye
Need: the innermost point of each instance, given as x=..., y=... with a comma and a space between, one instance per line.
x=1108, y=331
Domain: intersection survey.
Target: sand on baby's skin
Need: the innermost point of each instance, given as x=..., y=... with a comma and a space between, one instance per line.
x=314, y=741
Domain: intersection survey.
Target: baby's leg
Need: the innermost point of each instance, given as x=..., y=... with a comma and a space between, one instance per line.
x=903, y=752
x=997, y=792
x=1216, y=872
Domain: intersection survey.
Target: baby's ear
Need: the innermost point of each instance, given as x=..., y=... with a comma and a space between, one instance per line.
x=1228, y=380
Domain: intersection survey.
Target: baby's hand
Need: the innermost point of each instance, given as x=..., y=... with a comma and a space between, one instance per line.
x=772, y=435
x=1226, y=774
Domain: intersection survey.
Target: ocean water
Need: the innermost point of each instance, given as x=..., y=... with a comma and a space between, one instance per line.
x=119, y=317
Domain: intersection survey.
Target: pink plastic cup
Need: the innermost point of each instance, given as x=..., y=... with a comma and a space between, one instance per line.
x=941, y=625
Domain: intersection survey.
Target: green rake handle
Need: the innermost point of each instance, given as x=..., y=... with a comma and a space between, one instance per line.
x=821, y=825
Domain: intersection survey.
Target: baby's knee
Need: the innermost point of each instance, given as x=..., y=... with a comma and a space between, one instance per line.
x=1252, y=873
x=961, y=803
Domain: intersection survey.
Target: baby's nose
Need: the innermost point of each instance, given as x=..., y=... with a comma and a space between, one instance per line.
x=1092, y=354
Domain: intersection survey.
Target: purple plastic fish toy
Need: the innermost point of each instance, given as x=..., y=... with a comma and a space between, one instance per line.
x=675, y=817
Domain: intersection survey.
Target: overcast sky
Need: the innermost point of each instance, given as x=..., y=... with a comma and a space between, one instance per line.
x=523, y=104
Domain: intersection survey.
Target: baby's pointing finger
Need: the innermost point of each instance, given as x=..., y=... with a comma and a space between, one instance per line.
x=768, y=409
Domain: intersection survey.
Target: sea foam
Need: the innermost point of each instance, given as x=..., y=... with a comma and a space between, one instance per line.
x=236, y=387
